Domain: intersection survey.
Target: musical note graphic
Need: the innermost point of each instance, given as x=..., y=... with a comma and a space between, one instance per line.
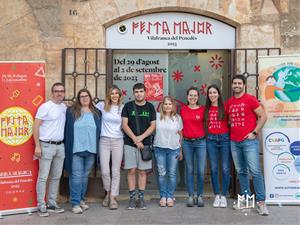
x=16, y=157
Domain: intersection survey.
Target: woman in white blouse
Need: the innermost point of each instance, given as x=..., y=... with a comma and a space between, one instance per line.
x=167, y=149
x=111, y=145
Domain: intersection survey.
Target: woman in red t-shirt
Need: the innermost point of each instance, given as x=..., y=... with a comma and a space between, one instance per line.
x=218, y=143
x=194, y=144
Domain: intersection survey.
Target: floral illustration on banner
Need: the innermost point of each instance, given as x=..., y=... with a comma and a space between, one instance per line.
x=177, y=75
x=216, y=61
x=197, y=68
x=203, y=89
x=124, y=92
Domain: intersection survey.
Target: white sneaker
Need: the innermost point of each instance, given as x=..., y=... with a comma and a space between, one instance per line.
x=223, y=202
x=77, y=209
x=262, y=209
x=83, y=205
x=216, y=203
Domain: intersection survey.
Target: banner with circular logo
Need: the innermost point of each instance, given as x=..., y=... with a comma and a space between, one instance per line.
x=279, y=85
x=22, y=88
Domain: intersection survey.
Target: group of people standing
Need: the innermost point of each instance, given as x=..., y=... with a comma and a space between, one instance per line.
x=110, y=131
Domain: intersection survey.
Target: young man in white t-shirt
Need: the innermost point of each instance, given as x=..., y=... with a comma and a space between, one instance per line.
x=48, y=134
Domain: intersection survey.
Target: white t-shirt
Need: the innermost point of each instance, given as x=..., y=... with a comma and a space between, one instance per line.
x=166, y=135
x=111, y=121
x=53, y=117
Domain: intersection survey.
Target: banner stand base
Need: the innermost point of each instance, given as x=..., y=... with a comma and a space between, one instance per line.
x=29, y=211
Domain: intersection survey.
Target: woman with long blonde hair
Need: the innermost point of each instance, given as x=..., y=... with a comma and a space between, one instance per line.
x=167, y=149
x=111, y=144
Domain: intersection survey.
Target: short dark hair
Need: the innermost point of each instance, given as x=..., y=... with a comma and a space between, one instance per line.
x=56, y=84
x=139, y=86
x=240, y=77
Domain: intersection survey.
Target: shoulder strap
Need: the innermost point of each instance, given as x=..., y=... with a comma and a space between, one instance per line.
x=136, y=119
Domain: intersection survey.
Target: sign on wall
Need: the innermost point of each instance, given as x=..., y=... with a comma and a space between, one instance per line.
x=170, y=31
x=22, y=88
x=148, y=68
x=279, y=81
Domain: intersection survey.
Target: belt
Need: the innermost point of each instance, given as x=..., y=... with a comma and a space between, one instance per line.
x=193, y=139
x=53, y=142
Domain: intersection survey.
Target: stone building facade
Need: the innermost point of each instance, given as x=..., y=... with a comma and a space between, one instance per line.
x=39, y=30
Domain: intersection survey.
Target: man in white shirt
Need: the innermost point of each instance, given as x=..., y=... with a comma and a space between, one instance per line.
x=48, y=134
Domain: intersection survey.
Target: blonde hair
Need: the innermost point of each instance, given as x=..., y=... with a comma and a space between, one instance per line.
x=173, y=112
x=107, y=100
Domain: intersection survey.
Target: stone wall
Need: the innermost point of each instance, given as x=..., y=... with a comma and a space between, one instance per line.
x=39, y=29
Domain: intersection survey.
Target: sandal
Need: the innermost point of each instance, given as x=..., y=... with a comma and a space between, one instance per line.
x=113, y=204
x=105, y=202
x=170, y=202
x=163, y=202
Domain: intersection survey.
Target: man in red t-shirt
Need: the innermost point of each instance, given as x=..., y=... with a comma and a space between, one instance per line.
x=247, y=117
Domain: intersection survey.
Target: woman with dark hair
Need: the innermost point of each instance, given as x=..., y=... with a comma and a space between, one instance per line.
x=218, y=143
x=82, y=134
x=167, y=149
x=194, y=144
x=111, y=145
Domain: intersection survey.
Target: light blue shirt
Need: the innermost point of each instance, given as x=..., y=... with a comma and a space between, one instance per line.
x=85, y=133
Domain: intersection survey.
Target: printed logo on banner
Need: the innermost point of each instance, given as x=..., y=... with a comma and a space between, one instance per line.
x=16, y=126
x=246, y=201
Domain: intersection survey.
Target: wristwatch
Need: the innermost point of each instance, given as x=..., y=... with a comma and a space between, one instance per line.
x=254, y=132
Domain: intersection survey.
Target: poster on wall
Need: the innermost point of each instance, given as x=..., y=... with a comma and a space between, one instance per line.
x=154, y=86
x=132, y=68
x=22, y=88
x=279, y=82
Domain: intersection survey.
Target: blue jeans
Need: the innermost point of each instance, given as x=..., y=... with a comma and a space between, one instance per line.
x=218, y=148
x=191, y=148
x=166, y=161
x=82, y=164
x=245, y=156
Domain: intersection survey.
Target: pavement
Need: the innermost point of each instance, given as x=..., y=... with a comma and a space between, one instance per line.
x=179, y=214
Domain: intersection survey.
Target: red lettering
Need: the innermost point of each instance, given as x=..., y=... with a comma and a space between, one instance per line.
x=149, y=28
x=185, y=28
x=134, y=26
x=208, y=26
x=142, y=25
x=9, y=132
x=177, y=25
x=165, y=28
x=26, y=131
x=157, y=25
x=194, y=28
x=200, y=28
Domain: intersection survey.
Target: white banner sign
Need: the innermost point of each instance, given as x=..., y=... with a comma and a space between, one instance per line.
x=279, y=83
x=170, y=31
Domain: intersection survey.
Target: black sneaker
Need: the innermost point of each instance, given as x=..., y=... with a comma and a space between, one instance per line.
x=141, y=203
x=55, y=209
x=131, y=204
x=43, y=212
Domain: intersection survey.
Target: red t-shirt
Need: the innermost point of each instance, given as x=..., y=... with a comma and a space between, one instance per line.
x=192, y=122
x=242, y=116
x=216, y=126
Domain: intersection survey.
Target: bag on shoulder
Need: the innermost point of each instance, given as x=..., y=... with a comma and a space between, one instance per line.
x=146, y=153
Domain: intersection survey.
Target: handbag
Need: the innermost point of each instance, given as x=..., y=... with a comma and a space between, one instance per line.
x=146, y=153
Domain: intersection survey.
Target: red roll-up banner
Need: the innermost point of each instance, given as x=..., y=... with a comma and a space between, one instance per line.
x=22, y=86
